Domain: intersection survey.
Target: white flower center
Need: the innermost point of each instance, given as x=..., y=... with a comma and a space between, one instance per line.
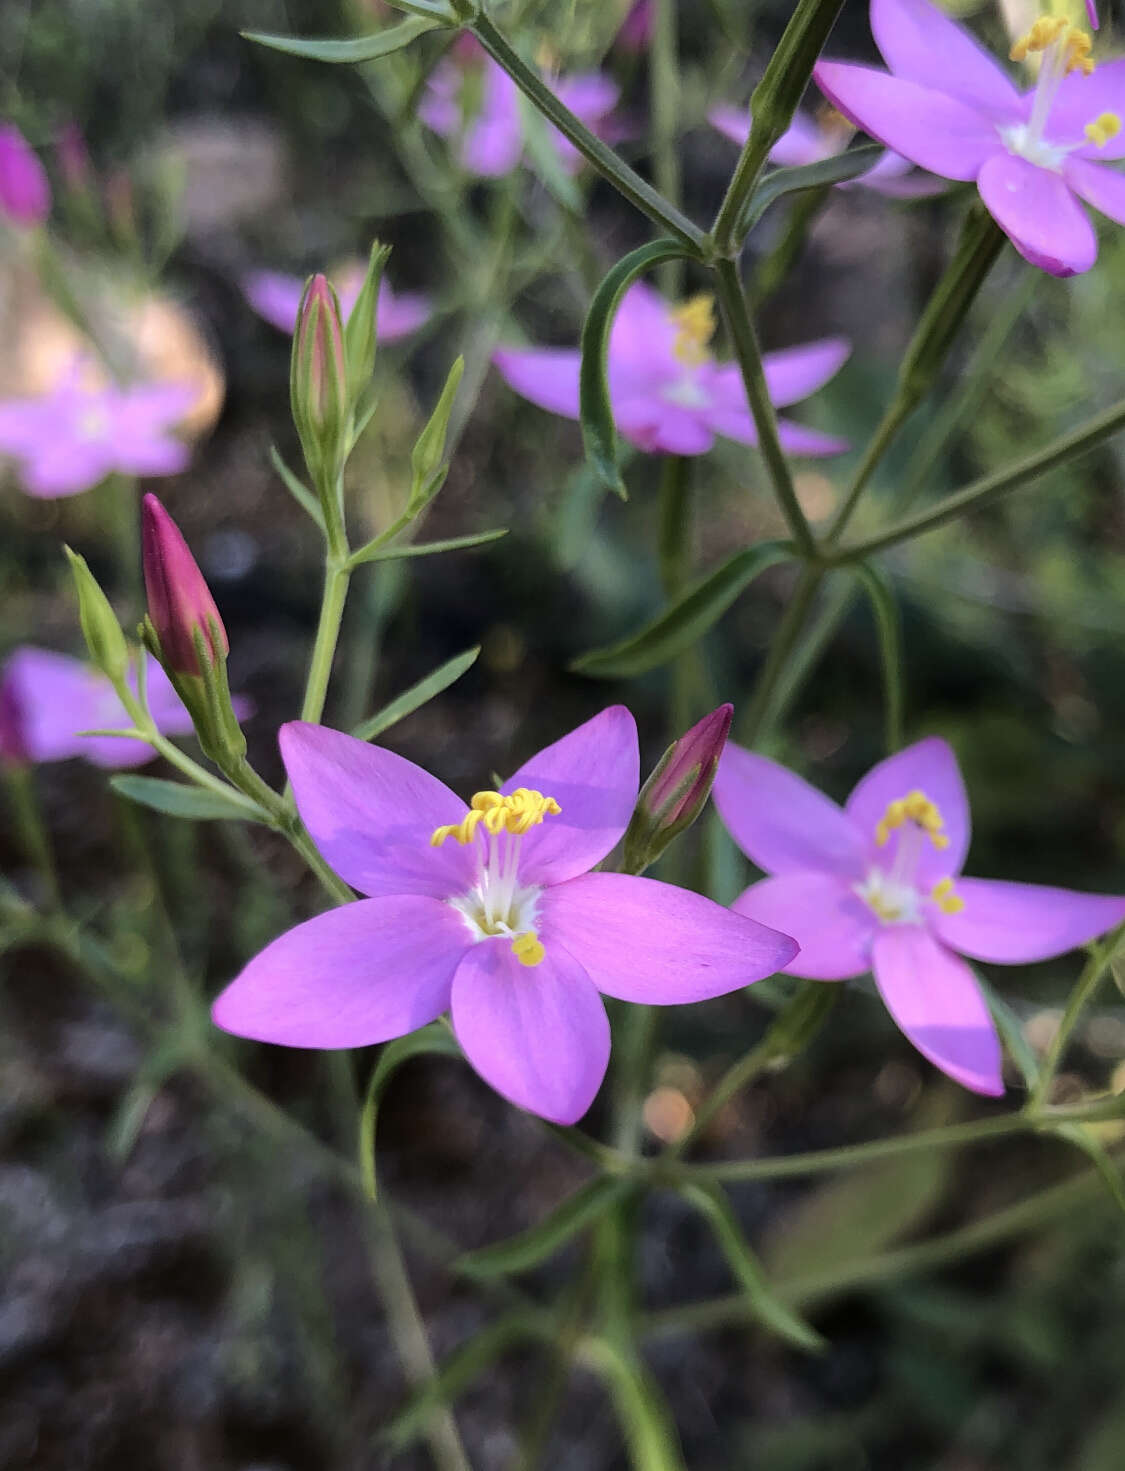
x=894, y=893
x=1064, y=48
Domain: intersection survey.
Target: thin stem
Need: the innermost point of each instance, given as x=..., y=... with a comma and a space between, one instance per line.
x=736, y=1077
x=746, y=349
x=1090, y=978
x=27, y=820
x=891, y=422
x=675, y=522
x=336, y=579
x=664, y=94
x=785, y=636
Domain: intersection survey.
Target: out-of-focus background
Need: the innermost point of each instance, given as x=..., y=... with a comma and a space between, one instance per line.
x=180, y=1289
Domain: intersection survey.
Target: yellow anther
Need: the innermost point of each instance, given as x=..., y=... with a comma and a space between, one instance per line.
x=946, y=900
x=516, y=813
x=695, y=321
x=527, y=948
x=1105, y=126
x=915, y=807
x=1051, y=30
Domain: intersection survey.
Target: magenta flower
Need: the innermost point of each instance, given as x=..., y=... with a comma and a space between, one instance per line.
x=949, y=107
x=876, y=886
x=180, y=604
x=1092, y=14
x=25, y=195
x=490, y=912
x=470, y=98
x=668, y=393
x=276, y=297
x=808, y=140
x=636, y=29
x=47, y=698
x=74, y=436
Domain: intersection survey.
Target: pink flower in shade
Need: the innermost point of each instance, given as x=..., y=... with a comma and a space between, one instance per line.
x=807, y=140
x=949, y=107
x=74, y=436
x=47, y=698
x=471, y=98
x=876, y=886
x=490, y=912
x=636, y=29
x=276, y=297
x=668, y=393
x=25, y=195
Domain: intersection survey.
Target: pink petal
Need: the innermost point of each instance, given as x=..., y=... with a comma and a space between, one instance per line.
x=399, y=314
x=799, y=439
x=930, y=767
x=933, y=996
x=360, y=974
x=795, y=372
x=833, y=927
x=936, y=131
x=537, y=1034
x=594, y=775
x=56, y=697
x=590, y=95
x=547, y=376
x=920, y=44
x=274, y=296
x=783, y=824
x=67, y=466
x=371, y=814
x=641, y=940
x=732, y=122
x=1017, y=923
x=1080, y=100
x=804, y=142
x=1103, y=188
x=493, y=142
x=1039, y=214
x=676, y=432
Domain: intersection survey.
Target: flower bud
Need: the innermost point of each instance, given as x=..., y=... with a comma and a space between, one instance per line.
x=180, y=604
x=100, y=627
x=25, y=195
x=318, y=379
x=677, y=791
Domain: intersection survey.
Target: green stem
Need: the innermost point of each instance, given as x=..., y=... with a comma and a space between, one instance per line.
x=785, y=636
x=337, y=575
x=891, y=422
x=675, y=522
x=745, y=342
x=1091, y=977
x=27, y=820
x=771, y=270
x=664, y=107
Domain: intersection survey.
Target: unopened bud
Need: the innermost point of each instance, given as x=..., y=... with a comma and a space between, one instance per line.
x=100, y=627
x=180, y=604
x=318, y=379
x=677, y=791
x=360, y=334
x=25, y=195
x=427, y=459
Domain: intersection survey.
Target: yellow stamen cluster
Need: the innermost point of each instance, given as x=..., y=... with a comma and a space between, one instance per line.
x=946, y=900
x=1051, y=30
x=1105, y=126
x=695, y=321
x=914, y=807
x=517, y=813
x=527, y=948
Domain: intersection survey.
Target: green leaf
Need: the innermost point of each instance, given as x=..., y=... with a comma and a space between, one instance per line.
x=888, y=626
x=177, y=799
x=530, y=1247
x=417, y=695
x=373, y=552
x=427, y=470
x=1084, y=1138
x=599, y=432
x=352, y=50
x=713, y=1204
x=835, y=170
x=434, y=1039
x=297, y=488
x=687, y=619
x=648, y=1428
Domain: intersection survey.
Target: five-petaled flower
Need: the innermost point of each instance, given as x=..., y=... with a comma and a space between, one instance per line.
x=668, y=393
x=276, y=297
x=490, y=912
x=877, y=886
x=946, y=104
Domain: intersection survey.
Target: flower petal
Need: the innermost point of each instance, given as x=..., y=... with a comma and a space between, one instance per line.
x=938, y=132
x=928, y=766
x=1039, y=214
x=493, y=141
x=1017, y=923
x=933, y=996
x=547, y=376
x=641, y=940
x=353, y=976
x=1080, y=99
x=921, y=44
x=593, y=773
x=371, y=814
x=1103, y=188
x=274, y=296
x=795, y=372
x=780, y=822
x=799, y=439
x=833, y=927
x=673, y=431
x=537, y=1034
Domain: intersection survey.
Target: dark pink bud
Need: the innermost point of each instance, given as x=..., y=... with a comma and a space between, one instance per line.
x=180, y=604
x=25, y=195
x=683, y=779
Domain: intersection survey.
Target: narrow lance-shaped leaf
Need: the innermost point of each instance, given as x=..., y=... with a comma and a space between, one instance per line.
x=530, y=1247
x=648, y=1428
x=687, y=619
x=432, y=1039
x=888, y=626
x=417, y=695
x=599, y=433
x=351, y=50
x=826, y=171
x=177, y=799
x=426, y=459
x=297, y=488
x=384, y=551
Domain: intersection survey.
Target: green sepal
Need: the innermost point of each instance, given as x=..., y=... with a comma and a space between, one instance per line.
x=428, y=470
x=361, y=328
x=100, y=628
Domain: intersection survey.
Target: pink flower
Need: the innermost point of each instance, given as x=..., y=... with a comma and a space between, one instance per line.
x=490, y=912
x=808, y=140
x=668, y=393
x=73, y=437
x=276, y=297
x=1092, y=14
x=636, y=29
x=25, y=195
x=47, y=698
x=179, y=600
x=471, y=98
x=876, y=886
x=950, y=108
